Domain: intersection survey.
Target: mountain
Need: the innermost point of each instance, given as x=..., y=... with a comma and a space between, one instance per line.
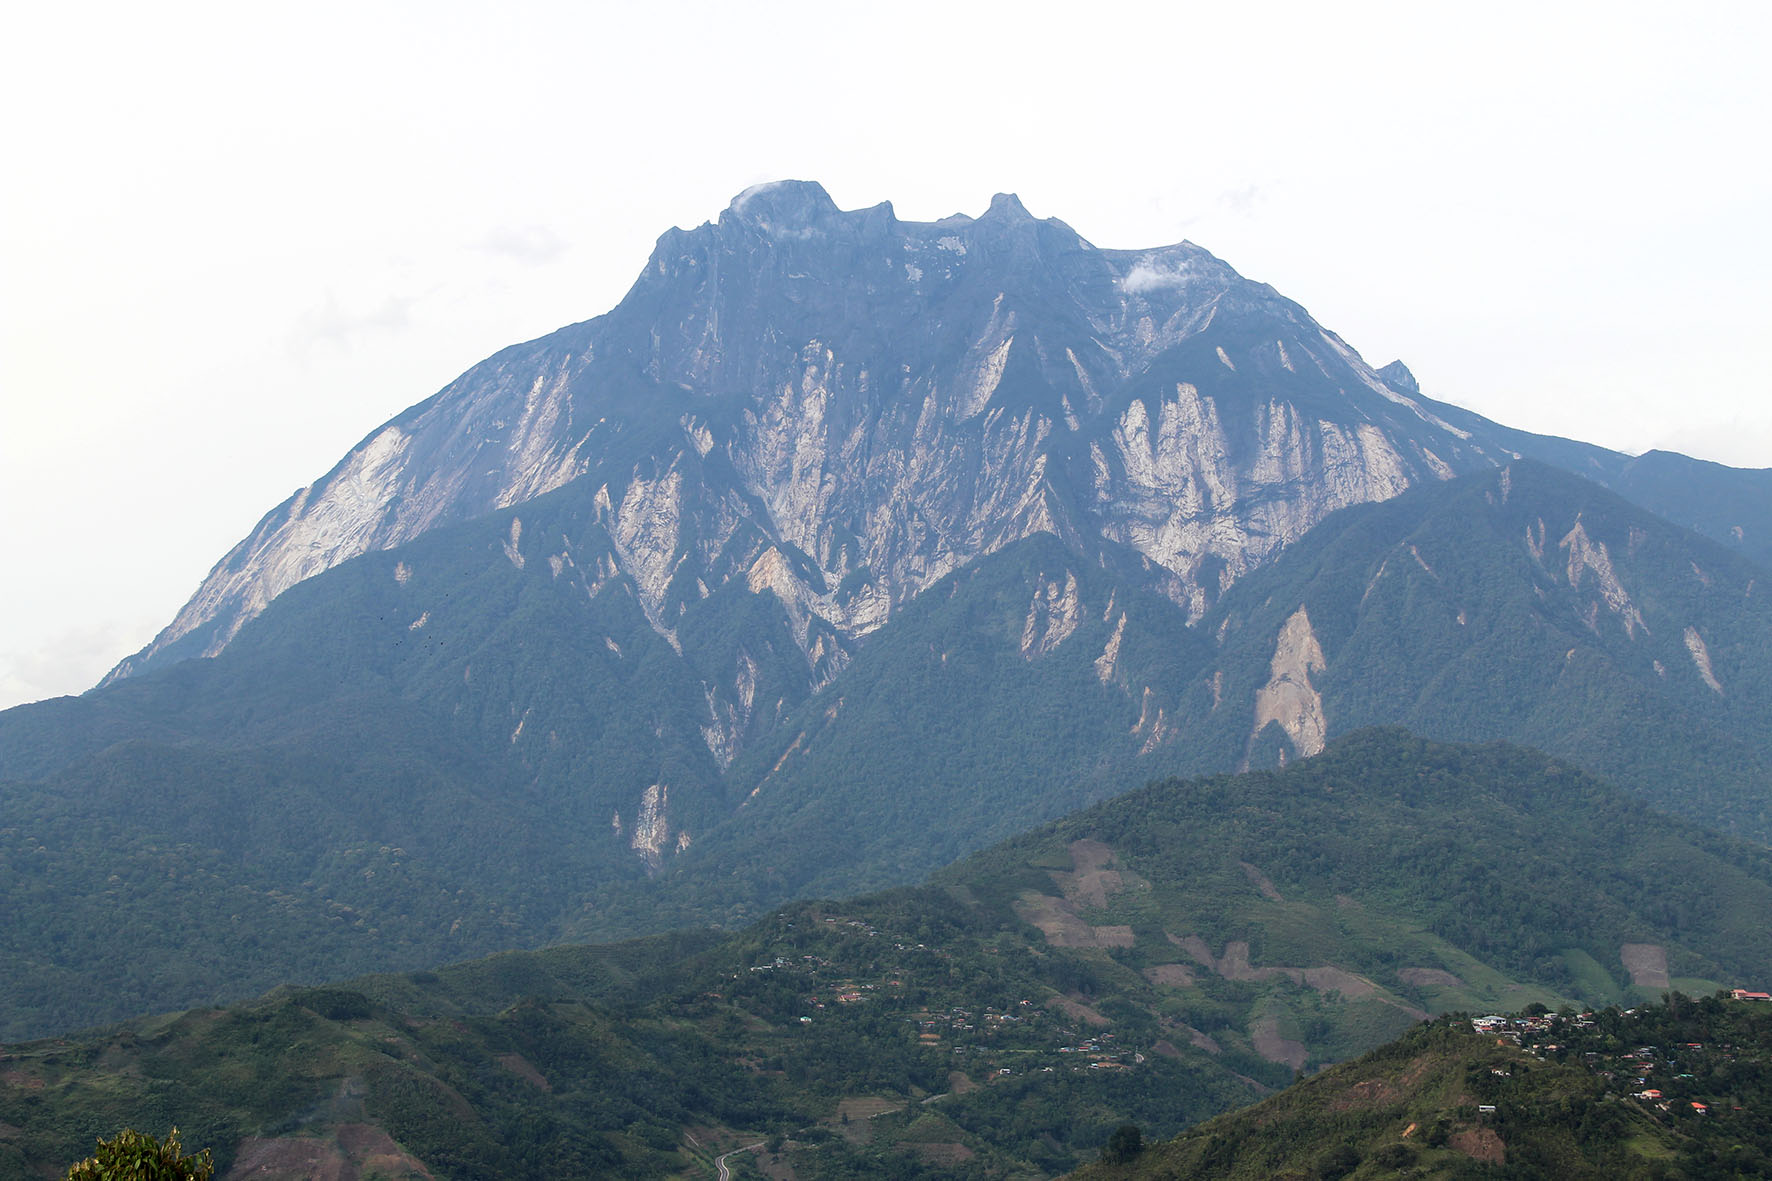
x=841, y=547
x=1673, y=1090
x=341, y=791
x=1727, y=505
x=843, y=407
x=1524, y=605
x=1160, y=958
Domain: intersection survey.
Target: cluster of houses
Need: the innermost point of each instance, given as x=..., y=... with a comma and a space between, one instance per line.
x=1514, y=1028
x=1100, y=1054
x=1028, y=1028
x=1019, y=1033
x=1662, y=1077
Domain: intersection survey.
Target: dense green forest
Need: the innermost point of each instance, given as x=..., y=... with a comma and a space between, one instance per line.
x=1531, y=606
x=823, y=1029
x=1510, y=856
x=1158, y=959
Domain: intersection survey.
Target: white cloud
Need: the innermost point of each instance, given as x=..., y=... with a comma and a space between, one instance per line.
x=332, y=323
x=67, y=662
x=1146, y=277
x=1242, y=199
x=532, y=244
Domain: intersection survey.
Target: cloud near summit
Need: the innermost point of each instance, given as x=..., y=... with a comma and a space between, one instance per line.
x=1145, y=277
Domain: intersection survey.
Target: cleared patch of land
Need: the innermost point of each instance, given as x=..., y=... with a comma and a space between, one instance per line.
x=521, y=1067
x=1333, y=979
x=1057, y=920
x=1079, y=1010
x=1234, y=965
x=1264, y=1034
x=1429, y=978
x=1261, y=882
x=1091, y=882
x=1646, y=963
x=946, y=1155
x=1170, y=975
x=356, y=1151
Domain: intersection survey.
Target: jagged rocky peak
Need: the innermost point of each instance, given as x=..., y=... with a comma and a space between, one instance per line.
x=883, y=401
x=1007, y=207
x=783, y=205
x=796, y=211
x=1397, y=376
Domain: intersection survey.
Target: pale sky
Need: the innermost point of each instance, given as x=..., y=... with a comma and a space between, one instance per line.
x=234, y=238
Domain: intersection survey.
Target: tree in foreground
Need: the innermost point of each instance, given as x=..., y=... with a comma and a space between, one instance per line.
x=1124, y=1145
x=132, y=1156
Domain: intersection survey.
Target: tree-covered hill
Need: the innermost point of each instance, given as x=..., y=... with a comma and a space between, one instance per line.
x=1524, y=605
x=1159, y=958
x=1675, y=1091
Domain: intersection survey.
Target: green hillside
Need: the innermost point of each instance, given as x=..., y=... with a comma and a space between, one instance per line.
x=1524, y=605
x=1668, y=1092
x=1160, y=958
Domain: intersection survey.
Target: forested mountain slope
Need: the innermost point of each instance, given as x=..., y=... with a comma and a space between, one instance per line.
x=1159, y=958
x=480, y=741
x=1523, y=605
x=841, y=547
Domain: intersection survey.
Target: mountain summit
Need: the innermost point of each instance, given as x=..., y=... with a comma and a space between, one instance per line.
x=871, y=403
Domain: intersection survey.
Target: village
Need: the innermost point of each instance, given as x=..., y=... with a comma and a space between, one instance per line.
x=1677, y=1079
x=1022, y=1035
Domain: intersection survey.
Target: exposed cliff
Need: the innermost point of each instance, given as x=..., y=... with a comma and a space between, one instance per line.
x=883, y=402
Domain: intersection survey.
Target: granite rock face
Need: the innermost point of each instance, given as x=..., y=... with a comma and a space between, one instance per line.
x=885, y=402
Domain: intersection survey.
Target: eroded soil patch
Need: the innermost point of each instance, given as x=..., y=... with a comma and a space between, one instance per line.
x=1480, y=1144
x=1429, y=978
x=1364, y=1096
x=1646, y=963
x=352, y=1153
x=1264, y=1034
x=1057, y=920
x=1170, y=975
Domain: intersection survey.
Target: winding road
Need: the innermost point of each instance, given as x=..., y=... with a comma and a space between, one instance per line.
x=720, y=1161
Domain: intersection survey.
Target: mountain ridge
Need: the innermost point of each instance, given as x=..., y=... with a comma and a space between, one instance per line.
x=865, y=543
x=1097, y=441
